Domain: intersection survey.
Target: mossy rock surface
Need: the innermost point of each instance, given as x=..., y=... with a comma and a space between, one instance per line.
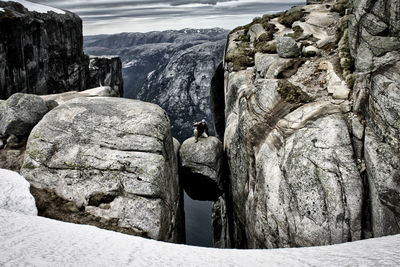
x=290, y=16
x=265, y=47
x=241, y=57
x=292, y=93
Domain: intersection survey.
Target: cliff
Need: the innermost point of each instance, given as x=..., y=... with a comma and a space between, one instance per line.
x=170, y=68
x=41, y=51
x=374, y=34
x=312, y=159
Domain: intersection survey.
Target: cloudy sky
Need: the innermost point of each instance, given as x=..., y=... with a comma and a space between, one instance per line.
x=101, y=16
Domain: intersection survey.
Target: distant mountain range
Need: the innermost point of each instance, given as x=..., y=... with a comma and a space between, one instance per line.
x=170, y=68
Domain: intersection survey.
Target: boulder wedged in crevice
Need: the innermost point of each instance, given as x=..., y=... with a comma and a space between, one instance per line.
x=201, y=168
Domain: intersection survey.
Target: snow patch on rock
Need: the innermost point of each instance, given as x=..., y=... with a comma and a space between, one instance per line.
x=14, y=193
x=36, y=7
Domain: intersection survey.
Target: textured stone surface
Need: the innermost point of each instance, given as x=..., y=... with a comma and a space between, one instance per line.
x=12, y=159
x=293, y=177
x=255, y=31
x=41, y=53
x=40, y=241
x=374, y=34
x=15, y=195
x=287, y=47
x=20, y=113
x=61, y=98
x=201, y=167
x=106, y=71
x=108, y=162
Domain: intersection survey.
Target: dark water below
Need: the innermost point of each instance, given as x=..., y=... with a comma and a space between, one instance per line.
x=198, y=222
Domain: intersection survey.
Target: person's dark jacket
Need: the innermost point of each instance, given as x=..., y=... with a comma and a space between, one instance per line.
x=201, y=127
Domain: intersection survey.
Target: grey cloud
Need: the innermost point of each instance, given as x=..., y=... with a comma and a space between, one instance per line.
x=115, y=16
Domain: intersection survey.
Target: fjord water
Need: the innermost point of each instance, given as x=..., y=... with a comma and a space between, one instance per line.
x=198, y=222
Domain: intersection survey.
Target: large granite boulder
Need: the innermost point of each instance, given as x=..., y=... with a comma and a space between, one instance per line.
x=201, y=167
x=20, y=113
x=109, y=162
x=374, y=33
x=15, y=195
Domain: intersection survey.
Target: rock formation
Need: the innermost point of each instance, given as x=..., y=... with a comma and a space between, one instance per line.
x=293, y=177
x=109, y=162
x=201, y=167
x=20, y=113
x=106, y=71
x=171, y=68
x=41, y=51
x=374, y=34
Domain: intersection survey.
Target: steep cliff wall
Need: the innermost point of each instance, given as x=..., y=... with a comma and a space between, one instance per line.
x=312, y=159
x=106, y=71
x=291, y=138
x=375, y=45
x=41, y=50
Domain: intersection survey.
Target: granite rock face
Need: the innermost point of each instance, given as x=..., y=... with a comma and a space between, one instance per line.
x=172, y=69
x=20, y=113
x=106, y=71
x=201, y=167
x=293, y=177
x=109, y=162
x=41, y=52
x=374, y=34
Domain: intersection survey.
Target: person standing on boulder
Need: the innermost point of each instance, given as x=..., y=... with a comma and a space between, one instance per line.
x=200, y=130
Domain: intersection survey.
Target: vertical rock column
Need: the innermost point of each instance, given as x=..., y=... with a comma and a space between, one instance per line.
x=40, y=53
x=374, y=34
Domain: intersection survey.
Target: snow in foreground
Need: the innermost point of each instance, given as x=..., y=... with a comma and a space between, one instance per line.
x=29, y=240
x=36, y=7
x=32, y=240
